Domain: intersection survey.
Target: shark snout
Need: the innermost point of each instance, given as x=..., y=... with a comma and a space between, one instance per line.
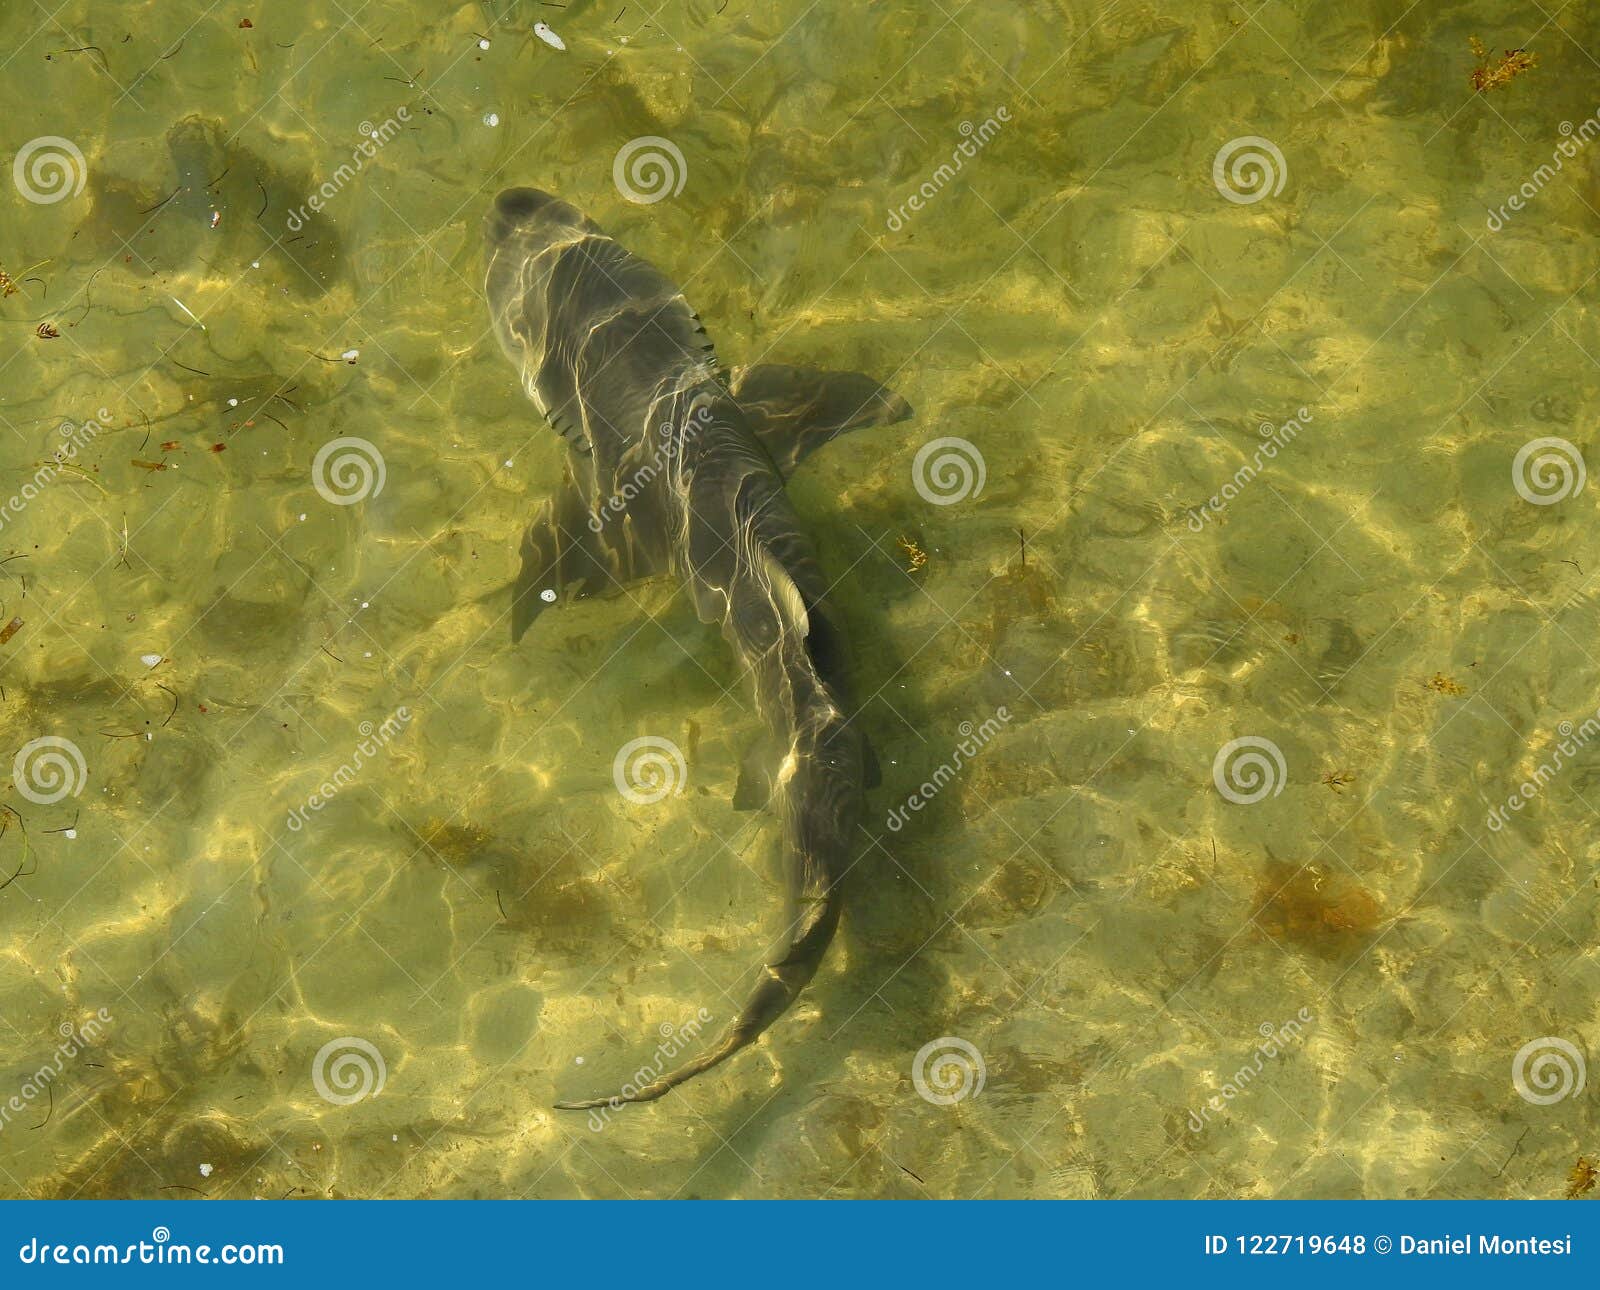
x=514, y=209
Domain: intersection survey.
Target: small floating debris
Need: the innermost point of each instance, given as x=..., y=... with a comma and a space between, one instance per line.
x=149, y=660
x=1338, y=780
x=543, y=32
x=205, y=1171
x=1489, y=75
x=491, y=119
x=47, y=332
x=548, y=596
x=1581, y=1178
x=916, y=557
x=188, y=311
x=10, y=630
x=483, y=42
x=350, y=356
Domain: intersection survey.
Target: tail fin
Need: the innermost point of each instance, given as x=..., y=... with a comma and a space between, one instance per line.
x=794, y=650
x=780, y=984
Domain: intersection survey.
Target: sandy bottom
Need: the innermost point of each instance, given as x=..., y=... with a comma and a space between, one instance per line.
x=1171, y=990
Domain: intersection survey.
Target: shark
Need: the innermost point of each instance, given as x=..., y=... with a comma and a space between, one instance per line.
x=677, y=466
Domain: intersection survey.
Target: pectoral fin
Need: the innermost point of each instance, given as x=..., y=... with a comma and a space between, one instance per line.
x=563, y=553
x=795, y=410
x=756, y=772
x=556, y=557
x=871, y=770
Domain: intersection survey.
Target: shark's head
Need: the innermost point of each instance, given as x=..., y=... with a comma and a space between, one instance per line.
x=523, y=231
x=522, y=214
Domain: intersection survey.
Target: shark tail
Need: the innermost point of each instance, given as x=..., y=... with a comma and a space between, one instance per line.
x=780, y=984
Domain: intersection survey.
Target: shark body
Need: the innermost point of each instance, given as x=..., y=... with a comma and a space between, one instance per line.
x=675, y=468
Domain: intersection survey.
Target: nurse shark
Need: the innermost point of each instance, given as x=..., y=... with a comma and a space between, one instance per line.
x=677, y=467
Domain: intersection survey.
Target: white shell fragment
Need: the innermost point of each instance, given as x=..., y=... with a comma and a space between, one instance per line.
x=543, y=32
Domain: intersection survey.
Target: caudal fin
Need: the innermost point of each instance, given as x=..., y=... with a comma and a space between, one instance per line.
x=780, y=984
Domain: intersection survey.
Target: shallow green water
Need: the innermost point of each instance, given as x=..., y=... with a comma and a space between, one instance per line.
x=1079, y=901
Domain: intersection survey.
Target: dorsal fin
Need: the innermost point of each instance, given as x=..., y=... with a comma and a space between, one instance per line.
x=795, y=410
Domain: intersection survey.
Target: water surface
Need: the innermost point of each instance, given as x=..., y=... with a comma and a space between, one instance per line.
x=1115, y=336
